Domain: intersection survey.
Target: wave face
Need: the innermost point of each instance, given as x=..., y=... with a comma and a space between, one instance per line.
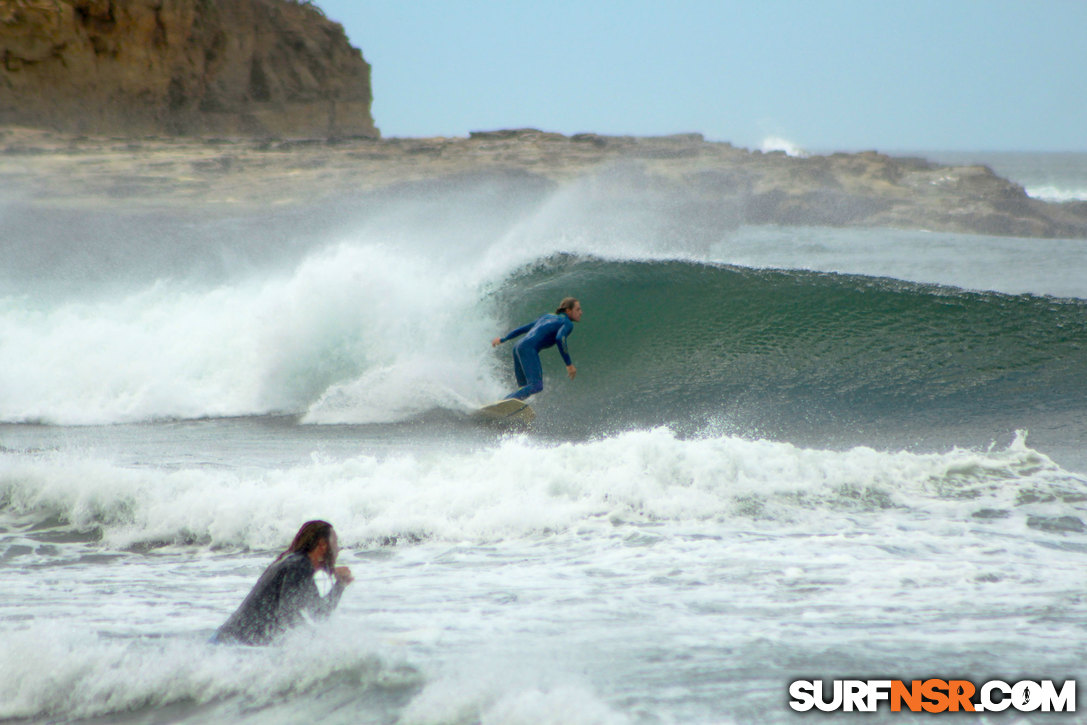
x=675, y=342
x=340, y=339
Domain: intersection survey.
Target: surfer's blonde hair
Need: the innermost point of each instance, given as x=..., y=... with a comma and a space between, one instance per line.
x=566, y=304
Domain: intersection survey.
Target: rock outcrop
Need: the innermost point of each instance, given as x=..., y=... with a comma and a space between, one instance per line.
x=703, y=186
x=180, y=67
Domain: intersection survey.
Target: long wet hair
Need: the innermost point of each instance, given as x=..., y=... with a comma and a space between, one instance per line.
x=566, y=304
x=308, y=537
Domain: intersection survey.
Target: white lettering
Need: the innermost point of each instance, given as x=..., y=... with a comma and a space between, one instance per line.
x=855, y=695
x=834, y=703
x=803, y=694
x=993, y=696
x=1005, y=691
x=878, y=690
x=1064, y=701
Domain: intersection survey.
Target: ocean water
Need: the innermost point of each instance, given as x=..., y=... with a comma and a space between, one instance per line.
x=1054, y=176
x=789, y=453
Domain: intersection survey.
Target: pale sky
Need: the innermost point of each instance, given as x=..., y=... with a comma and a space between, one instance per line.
x=892, y=75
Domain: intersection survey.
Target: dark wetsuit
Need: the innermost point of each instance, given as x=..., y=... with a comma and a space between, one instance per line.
x=544, y=332
x=284, y=591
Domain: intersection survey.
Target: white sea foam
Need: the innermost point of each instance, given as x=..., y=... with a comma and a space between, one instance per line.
x=1050, y=192
x=771, y=144
x=517, y=488
x=348, y=313
x=493, y=701
x=62, y=672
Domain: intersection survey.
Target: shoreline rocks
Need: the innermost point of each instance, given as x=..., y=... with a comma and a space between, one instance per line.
x=708, y=184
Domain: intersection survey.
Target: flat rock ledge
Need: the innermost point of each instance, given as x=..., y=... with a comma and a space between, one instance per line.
x=714, y=184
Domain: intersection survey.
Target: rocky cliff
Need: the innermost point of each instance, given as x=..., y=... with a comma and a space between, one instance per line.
x=180, y=67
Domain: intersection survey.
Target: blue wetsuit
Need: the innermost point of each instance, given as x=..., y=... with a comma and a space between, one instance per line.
x=544, y=332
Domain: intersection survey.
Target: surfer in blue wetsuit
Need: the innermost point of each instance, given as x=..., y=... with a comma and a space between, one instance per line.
x=542, y=333
x=286, y=592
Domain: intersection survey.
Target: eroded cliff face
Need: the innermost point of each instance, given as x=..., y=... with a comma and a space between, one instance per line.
x=181, y=67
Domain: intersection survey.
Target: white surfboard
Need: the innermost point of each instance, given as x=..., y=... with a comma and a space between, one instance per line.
x=510, y=410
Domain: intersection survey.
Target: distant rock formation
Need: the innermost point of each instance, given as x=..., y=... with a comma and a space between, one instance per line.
x=703, y=187
x=181, y=68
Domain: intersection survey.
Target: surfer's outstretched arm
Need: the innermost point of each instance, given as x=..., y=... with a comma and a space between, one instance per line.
x=512, y=334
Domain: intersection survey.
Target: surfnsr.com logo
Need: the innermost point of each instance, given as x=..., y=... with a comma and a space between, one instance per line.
x=933, y=695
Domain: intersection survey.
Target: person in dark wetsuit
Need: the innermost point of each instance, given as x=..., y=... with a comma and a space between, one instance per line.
x=286, y=589
x=544, y=332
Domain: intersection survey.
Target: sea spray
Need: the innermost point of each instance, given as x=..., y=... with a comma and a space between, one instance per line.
x=251, y=347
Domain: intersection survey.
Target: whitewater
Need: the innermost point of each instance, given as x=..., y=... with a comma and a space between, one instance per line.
x=789, y=453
